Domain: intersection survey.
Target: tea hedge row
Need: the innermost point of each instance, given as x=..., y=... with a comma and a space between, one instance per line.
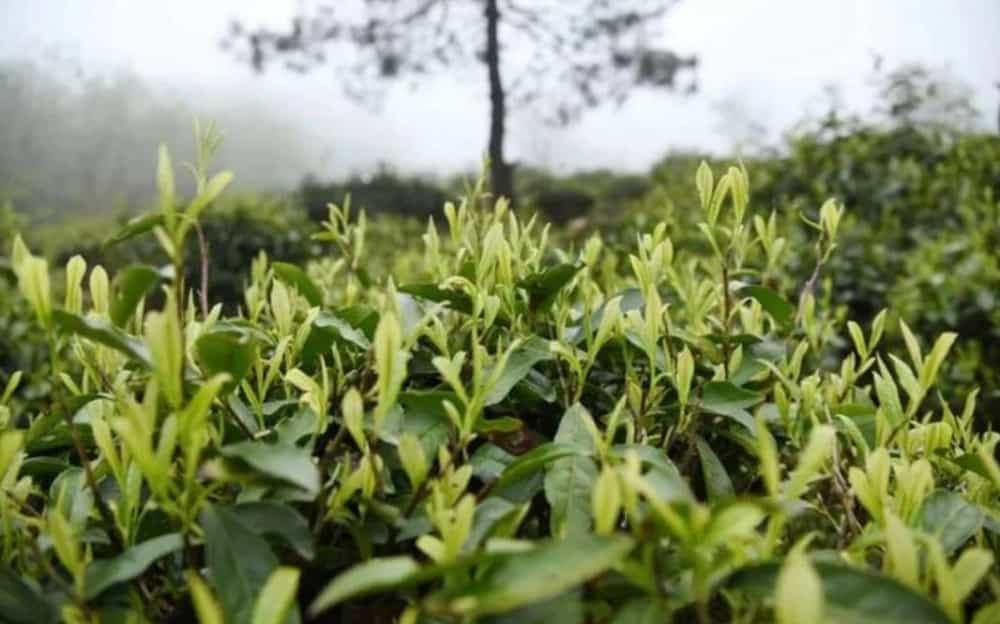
x=513, y=432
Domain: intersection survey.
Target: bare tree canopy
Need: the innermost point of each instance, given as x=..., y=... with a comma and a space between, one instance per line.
x=564, y=57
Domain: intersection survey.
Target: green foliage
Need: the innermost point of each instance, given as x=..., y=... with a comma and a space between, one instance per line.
x=383, y=193
x=924, y=205
x=234, y=232
x=491, y=427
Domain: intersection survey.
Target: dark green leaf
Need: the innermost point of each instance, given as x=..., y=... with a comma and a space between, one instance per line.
x=365, y=578
x=327, y=329
x=135, y=227
x=565, y=609
x=228, y=352
x=521, y=360
x=131, y=285
x=543, y=287
x=725, y=399
x=535, y=387
x=661, y=473
x=22, y=603
x=422, y=415
x=41, y=467
x=50, y=432
x=297, y=278
x=489, y=513
x=532, y=462
x=852, y=596
x=292, y=429
x=951, y=518
x=103, y=573
x=569, y=481
x=649, y=455
x=774, y=304
x=362, y=317
x=717, y=481
x=239, y=561
x=283, y=462
x=547, y=570
x=243, y=414
x=278, y=520
x=71, y=495
x=641, y=611
x=103, y=333
x=455, y=299
x=489, y=461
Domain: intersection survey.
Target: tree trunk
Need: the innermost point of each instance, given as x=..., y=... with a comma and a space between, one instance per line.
x=501, y=173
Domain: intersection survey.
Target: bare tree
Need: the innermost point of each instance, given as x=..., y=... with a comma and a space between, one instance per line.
x=565, y=55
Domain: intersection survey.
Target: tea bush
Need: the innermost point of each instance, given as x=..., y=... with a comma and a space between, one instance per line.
x=498, y=430
x=920, y=238
x=22, y=345
x=383, y=193
x=235, y=231
x=925, y=201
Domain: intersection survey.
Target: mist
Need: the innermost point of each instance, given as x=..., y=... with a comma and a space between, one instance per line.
x=90, y=89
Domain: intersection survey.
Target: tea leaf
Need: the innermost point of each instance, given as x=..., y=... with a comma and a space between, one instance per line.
x=297, y=278
x=547, y=570
x=725, y=399
x=543, y=287
x=281, y=461
x=239, y=562
x=21, y=602
x=281, y=521
x=277, y=600
x=131, y=285
x=226, y=352
x=456, y=300
x=569, y=481
x=717, y=480
x=370, y=577
x=103, y=573
x=519, y=364
x=780, y=310
x=532, y=462
x=135, y=227
x=852, y=596
x=105, y=334
x=951, y=518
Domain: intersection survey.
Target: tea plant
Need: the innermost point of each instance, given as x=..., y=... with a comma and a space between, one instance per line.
x=514, y=433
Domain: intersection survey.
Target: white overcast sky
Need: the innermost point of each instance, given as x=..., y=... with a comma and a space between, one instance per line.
x=773, y=56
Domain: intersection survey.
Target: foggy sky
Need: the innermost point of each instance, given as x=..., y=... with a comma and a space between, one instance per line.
x=773, y=57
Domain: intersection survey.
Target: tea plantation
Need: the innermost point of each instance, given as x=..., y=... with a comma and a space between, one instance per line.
x=763, y=393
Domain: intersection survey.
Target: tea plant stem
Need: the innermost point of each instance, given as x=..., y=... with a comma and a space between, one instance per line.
x=326, y=441
x=418, y=495
x=102, y=506
x=726, y=307
x=203, y=250
x=47, y=566
x=810, y=286
x=843, y=492
x=668, y=338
